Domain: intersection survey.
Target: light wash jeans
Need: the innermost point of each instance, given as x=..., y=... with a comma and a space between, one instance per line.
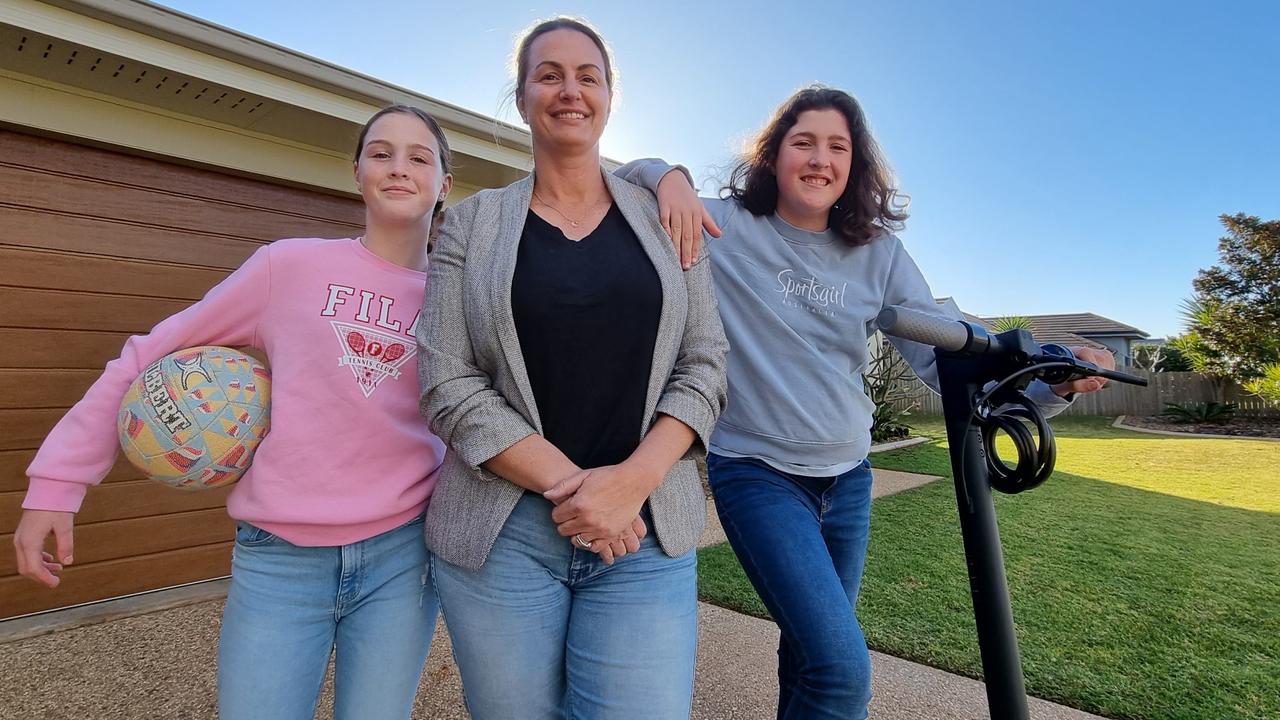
x=803, y=543
x=546, y=630
x=370, y=602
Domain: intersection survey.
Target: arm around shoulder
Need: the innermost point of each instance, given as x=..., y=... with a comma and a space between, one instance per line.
x=648, y=172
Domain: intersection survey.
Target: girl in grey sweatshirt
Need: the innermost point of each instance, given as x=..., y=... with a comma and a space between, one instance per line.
x=806, y=261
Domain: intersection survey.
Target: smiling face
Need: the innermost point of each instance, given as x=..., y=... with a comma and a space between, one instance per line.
x=812, y=167
x=399, y=171
x=565, y=96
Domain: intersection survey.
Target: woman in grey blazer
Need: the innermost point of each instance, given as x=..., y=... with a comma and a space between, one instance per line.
x=574, y=371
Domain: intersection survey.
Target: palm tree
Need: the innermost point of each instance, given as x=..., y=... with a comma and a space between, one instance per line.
x=1012, y=322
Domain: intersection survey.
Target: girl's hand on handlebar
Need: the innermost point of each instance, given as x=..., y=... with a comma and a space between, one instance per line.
x=1100, y=358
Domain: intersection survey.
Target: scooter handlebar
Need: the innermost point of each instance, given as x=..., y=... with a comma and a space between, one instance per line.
x=959, y=336
x=943, y=333
x=1091, y=369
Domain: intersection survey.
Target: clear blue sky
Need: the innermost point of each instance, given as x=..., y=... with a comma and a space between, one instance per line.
x=1060, y=157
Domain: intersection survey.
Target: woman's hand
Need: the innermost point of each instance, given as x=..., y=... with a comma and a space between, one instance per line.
x=1101, y=358
x=28, y=542
x=608, y=550
x=600, y=502
x=628, y=542
x=683, y=216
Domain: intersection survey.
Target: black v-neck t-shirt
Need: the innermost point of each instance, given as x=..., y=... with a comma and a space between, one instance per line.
x=587, y=313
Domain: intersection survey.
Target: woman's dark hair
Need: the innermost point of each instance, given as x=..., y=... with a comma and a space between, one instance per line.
x=445, y=155
x=558, y=23
x=870, y=204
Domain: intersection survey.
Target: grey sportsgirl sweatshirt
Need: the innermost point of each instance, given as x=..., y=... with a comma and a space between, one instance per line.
x=797, y=308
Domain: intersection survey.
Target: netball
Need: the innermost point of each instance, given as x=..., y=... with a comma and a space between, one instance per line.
x=193, y=418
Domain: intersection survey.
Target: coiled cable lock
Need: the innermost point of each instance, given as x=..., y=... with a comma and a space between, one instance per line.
x=1037, y=451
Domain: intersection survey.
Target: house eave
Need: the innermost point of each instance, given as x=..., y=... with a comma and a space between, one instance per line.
x=215, y=40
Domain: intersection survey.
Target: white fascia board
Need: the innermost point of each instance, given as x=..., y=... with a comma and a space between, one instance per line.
x=112, y=122
x=76, y=27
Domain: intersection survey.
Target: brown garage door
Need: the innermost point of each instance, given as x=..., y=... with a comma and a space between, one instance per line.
x=96, y=246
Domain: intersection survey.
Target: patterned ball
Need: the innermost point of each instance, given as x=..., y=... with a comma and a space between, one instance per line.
x=193, y=418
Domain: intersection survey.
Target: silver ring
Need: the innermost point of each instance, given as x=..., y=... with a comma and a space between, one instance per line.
x=581, y=542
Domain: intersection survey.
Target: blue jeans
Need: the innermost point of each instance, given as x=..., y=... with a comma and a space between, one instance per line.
x=803, y=542
x=547, y=630
x=289, y=607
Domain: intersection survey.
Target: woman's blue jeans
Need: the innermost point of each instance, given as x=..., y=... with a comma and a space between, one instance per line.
x=803, y=543
x=370, y=603
x=546, y=630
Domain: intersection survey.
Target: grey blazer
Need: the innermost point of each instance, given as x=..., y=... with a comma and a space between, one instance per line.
x=475, y=389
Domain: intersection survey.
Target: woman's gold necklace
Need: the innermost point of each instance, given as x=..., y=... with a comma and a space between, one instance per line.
x=572, y=222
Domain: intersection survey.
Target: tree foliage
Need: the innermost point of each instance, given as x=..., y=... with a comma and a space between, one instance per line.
x=1233, y=321
x=1267, y=386
x=1161, y=358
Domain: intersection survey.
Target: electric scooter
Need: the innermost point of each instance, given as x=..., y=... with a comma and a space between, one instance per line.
x=981, y=378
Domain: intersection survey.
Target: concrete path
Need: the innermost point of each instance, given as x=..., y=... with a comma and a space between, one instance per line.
x=736, y=666
x=162, y=665
x=889, y=482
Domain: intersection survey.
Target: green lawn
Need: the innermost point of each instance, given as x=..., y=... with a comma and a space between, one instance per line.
x=1145, y=574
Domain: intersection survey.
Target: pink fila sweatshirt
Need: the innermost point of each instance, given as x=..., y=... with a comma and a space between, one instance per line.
x=348, y=456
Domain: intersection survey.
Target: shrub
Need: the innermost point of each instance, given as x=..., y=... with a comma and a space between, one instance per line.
x=886, y=424
x=1194, y=412
x=887, y=381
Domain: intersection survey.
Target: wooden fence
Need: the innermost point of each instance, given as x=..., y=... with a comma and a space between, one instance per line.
x=1121, y=399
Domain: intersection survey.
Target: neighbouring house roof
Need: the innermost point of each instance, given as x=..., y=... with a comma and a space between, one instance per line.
x=1077, y=329
x=1084, y=324
x=1049, y=334
x=1048, y=328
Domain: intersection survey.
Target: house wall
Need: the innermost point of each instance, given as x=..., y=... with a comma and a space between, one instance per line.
x=95, y=246
x=1122, y=347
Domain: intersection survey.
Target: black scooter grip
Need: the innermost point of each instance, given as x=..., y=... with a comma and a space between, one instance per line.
x=943, y=333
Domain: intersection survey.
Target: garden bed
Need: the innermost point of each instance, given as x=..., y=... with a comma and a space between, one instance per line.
x=1239, y=426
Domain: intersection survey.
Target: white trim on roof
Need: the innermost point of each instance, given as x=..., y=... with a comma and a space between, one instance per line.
x=209, y=38
x=155, y=35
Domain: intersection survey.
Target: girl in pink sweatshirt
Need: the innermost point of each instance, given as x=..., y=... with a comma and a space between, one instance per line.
x=329, y=551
